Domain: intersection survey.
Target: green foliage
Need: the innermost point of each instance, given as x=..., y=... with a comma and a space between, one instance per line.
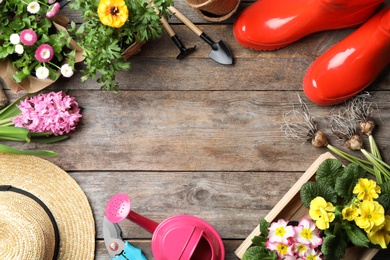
x=104, y=45
x=259, y=253
x=311, y=190
x=328, y=171
x=333, y=247
x=348, y=179
x=357, y=236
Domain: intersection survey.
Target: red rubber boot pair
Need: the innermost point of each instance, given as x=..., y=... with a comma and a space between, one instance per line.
x=346, y=68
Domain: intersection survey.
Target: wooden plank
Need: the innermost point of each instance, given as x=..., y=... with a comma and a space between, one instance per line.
x=193, y=131
x=144, y=245
x=232, y=202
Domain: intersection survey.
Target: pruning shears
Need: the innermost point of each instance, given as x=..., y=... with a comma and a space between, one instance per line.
x=116, y=247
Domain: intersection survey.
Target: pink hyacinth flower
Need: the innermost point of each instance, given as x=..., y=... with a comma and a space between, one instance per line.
x=28, y=37
x=53, y=10
x=53, y=112
x=44, y=53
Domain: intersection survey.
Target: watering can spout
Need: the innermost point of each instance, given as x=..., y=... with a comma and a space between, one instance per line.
x=119, y=208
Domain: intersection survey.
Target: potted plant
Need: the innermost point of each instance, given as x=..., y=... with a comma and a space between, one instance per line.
x=114, y=30
x=35, y=48
x=346, y=209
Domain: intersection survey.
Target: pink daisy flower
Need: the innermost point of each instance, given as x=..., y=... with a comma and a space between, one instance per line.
x=28, y=37
x=44, y=53
x=53, y=10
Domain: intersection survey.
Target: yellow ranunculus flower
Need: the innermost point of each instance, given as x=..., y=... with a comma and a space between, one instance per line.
x=350, y=213
x=372, y=214
x=322, y=212
x=366, y=189
x=113, y=13
x=380, y=235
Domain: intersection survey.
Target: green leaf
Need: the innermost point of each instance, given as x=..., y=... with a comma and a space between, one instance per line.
x=333, y=247
x=12, y=133
x=259, y=240
x=328, y=171
x=385, y=187
x=264, y=225
x=347, y=181
x=384, y=200
x=357, y=236
x=258, y=253
x=8, y=149
x=11, y=110
x=311, y=190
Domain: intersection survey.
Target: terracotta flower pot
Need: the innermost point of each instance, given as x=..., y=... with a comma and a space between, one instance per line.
x=214, y=10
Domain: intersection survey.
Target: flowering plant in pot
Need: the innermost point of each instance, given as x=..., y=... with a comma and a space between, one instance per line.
x=345, y=208
x=114, y=30
x=35, y=48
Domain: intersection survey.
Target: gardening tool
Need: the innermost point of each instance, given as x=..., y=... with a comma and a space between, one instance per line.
x=183, y=50
x=116, y=247
x=180, y=237
x=220, y=52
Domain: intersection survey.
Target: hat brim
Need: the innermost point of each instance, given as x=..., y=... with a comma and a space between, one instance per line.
x=61, y=194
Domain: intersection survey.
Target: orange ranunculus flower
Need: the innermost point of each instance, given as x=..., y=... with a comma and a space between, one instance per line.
x=113, y=13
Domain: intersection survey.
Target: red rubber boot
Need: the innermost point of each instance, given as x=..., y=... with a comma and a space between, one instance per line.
x=352, y=64
x=273, y=24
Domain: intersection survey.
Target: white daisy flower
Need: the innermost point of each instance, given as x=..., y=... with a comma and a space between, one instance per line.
x=33, y=7
x=42, y=73
x=19, y=49
x=14, y=38
x=66, y=70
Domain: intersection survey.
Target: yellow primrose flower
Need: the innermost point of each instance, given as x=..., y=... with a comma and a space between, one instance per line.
x=322, y=212
x=113, y=13
x=371, y=214
x=380, y=235
x=366, y=189
x=350, y=213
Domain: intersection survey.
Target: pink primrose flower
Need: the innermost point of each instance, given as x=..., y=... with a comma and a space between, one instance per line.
x=28, y=37
x=307, y=233
x=53, y=112
x=53, y=10
x=44, y=53
x=50, y=2
x=280, y=232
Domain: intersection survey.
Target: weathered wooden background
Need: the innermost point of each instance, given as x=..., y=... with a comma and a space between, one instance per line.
x=196, y=137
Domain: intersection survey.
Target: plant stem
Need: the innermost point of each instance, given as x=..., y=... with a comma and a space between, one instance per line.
x=385, y=172
x=362, y=163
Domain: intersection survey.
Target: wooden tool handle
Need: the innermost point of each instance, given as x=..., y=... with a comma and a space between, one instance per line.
x=164, y=21
x=185, y=20
x=167, y=27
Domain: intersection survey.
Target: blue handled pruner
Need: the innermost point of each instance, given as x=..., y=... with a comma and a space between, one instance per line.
x=116, y=247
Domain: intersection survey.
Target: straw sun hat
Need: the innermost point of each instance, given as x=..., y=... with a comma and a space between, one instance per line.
x=44, y=214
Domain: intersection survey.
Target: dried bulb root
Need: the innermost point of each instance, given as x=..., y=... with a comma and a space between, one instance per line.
x=367, y=126
x=355, y=143
x=319, y=139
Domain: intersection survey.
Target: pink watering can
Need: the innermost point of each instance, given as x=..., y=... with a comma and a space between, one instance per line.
x=181, y=237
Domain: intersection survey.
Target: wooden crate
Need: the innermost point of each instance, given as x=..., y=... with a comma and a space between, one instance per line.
x=290, y=207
